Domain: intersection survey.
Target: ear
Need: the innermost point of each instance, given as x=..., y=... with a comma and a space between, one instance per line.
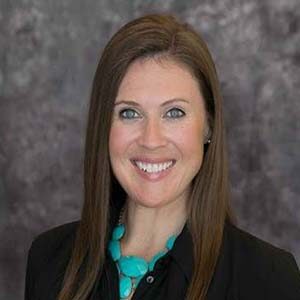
x=207, y=135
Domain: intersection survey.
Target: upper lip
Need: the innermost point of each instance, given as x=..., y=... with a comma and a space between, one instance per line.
x=152, y=161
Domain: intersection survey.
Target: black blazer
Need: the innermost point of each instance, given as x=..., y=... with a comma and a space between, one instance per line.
x=247, y=269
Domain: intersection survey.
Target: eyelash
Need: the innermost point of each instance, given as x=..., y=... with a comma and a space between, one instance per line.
x=129, y=109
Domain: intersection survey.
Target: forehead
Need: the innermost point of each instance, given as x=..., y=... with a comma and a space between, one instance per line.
x=150, y=79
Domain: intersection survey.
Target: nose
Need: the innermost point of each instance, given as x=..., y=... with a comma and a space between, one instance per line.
x=151, y=135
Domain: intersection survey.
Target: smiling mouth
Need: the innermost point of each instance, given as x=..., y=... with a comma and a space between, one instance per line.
x=151, y=168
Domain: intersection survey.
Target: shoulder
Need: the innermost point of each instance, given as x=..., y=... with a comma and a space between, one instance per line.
x=47, y=257
x=53, y=237
x=258, y=263
x=48, y=244
x=57, y=233
x=250, y=245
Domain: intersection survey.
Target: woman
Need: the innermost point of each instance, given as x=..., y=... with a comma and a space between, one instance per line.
x=156, y=221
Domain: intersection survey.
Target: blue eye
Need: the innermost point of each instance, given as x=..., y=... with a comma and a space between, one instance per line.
x=174, y=113
x=129, y=115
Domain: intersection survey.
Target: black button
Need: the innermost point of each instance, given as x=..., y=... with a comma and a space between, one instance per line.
x=150, y=279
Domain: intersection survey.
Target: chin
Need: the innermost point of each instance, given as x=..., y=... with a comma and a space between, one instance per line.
x=150, y=203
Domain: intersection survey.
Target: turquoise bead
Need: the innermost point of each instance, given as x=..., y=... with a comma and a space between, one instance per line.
x=118, y=232
x=132, y=269
x=133, y=266
x=170, y=242
x=155, y=258
x=125, y=286
x=115, y=249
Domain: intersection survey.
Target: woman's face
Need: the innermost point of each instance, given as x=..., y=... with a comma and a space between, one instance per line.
x=149, y=128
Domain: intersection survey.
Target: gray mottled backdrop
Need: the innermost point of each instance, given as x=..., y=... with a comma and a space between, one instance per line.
x=48, y=55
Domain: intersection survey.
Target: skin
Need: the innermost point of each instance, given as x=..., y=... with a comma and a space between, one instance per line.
x=156, y=210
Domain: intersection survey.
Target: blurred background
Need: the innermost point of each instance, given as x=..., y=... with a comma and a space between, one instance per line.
x=49, y=51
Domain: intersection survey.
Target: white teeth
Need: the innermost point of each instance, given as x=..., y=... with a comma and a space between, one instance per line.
x=153, y=168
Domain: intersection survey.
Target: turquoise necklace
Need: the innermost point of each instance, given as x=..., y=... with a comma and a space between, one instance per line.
x=131, y=268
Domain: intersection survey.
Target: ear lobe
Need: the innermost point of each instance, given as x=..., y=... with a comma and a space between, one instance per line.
x=207, y=137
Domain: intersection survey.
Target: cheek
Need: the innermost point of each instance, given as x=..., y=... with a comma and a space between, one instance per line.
x=115, y=141
x=189, y=139
x=119, y=139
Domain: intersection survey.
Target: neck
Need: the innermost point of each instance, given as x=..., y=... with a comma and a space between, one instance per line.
x=147, y=229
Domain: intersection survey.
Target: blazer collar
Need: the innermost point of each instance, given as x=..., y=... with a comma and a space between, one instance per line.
x=182, y=253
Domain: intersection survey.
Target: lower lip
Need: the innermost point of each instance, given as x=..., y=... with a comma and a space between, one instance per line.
x=153, y=177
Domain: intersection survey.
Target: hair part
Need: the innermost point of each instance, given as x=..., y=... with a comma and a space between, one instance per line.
x=161, y=37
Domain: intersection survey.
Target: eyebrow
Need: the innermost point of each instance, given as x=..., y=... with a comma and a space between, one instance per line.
x=129, y=102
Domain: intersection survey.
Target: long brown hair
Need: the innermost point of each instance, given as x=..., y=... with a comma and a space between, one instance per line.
x=150, y=36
